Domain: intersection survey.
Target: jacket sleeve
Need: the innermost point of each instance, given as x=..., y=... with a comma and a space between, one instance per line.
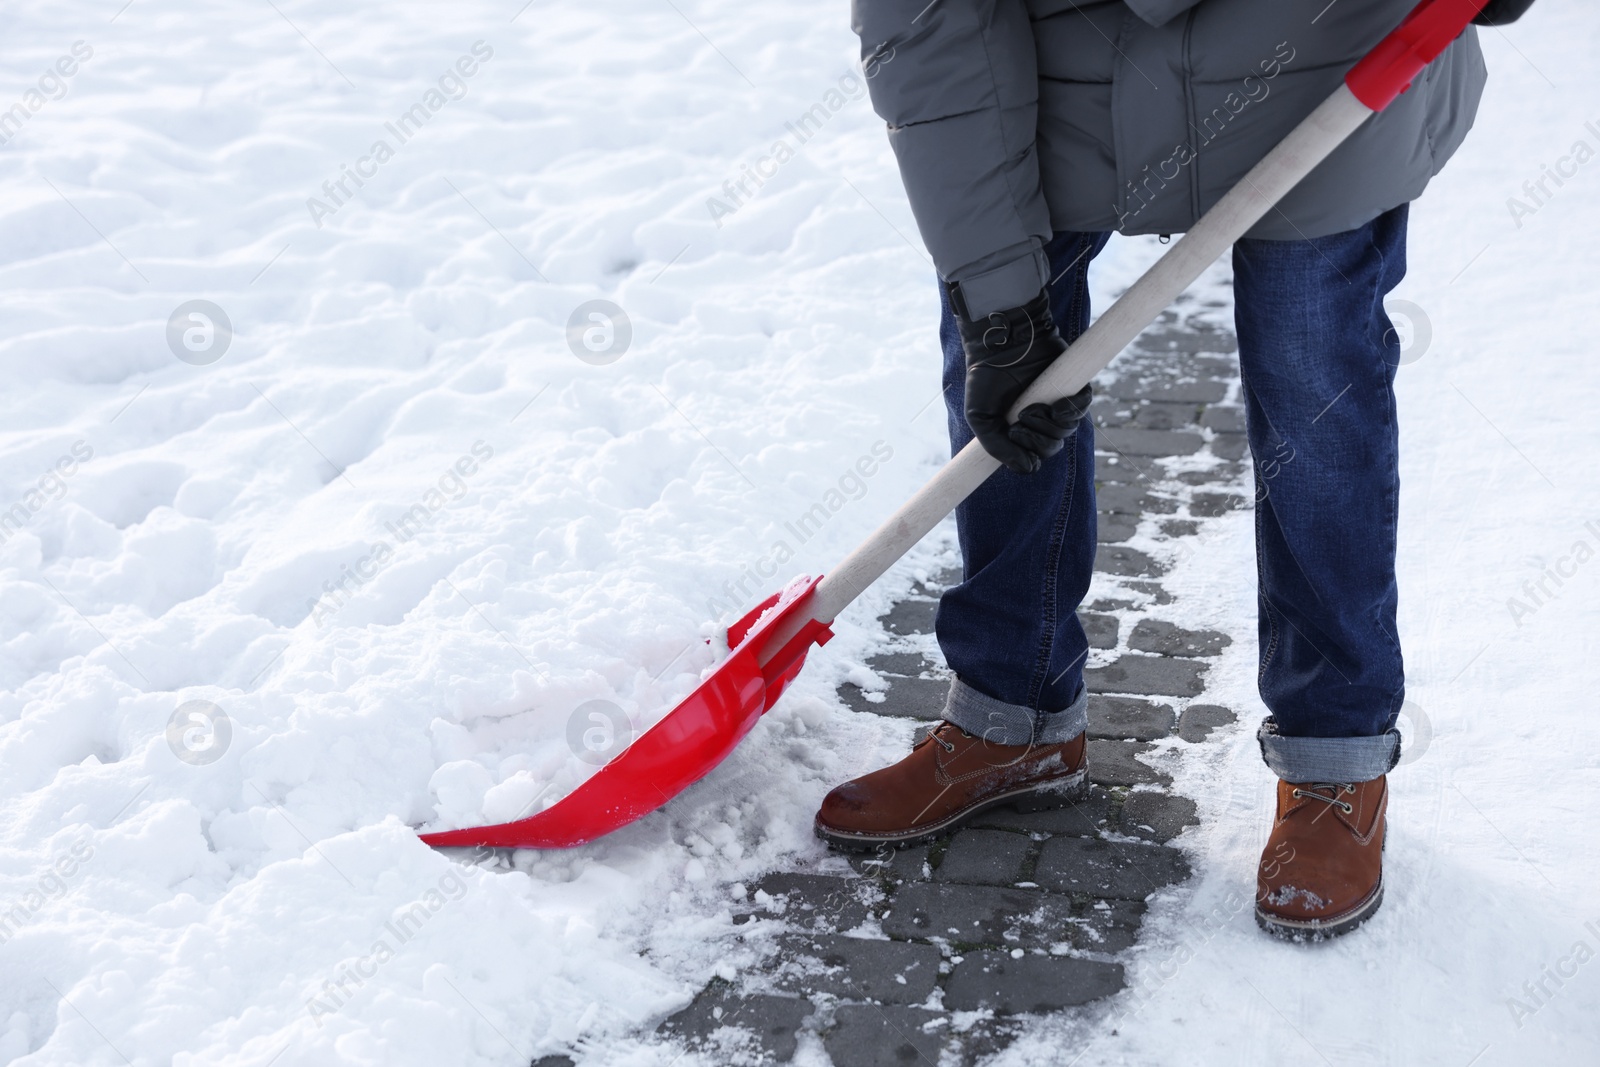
x=957, y=83
x=1156, y=12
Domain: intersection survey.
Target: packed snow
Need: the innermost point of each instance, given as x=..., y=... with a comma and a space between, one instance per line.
x=333, y=506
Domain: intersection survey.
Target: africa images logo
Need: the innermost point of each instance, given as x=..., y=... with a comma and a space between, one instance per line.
x=452, y=85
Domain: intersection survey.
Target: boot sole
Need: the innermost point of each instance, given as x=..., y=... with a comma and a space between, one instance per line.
x=1314, y=930
x=1058, y=794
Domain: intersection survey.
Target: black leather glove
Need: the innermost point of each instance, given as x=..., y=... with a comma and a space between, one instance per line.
x=1005, y=352
x=1500, y=12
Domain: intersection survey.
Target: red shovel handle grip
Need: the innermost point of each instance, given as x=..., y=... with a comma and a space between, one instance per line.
x=1386, y=71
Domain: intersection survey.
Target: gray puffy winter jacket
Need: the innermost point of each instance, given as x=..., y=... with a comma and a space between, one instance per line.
x=1012, y=119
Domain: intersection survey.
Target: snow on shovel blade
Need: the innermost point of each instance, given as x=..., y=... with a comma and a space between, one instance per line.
x=679, y=750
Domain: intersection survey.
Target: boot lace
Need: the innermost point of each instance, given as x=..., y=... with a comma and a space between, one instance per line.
x=948, y=746
x=1309, y=792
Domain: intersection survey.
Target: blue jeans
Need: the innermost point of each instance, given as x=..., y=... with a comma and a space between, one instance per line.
x=1317, y=357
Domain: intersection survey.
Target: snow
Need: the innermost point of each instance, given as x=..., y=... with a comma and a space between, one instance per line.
x=385, y=546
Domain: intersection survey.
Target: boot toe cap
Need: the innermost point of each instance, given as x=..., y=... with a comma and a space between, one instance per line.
x=847, y=807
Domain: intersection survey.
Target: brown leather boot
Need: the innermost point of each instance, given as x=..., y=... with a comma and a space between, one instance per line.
x=949, y=777
x=1321, y=874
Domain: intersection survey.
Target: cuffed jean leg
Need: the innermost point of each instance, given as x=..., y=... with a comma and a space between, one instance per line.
x=1317, y=358
x=1000, y=723
x=1009, y=630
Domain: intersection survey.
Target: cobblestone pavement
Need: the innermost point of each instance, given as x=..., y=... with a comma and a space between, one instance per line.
x=905, y=957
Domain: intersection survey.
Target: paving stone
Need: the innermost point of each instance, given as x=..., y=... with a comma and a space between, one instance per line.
x=979, y=914
x=1114, y=529
x=1165, y=417
x=1193, y=336
x=888, y=1035
x=1101, y=629
x=986, y=1038
x=1169, y=387
x=1108, y=926
x=1114, y=763
x=894, y=972
x=1102, y=868
x=895, y=864
x=769, y=1022
x=1126, y=470
x=1217, y=366
x=1231, y=446
x=906, y=698
x=1109, y=411
x=1198, y=720
x=984, y=857
x=993, y=979
x=1147, y=676
x=911, y=617
x=1116, y=559
x=1132, y=500
x=1210, y=505
x=1222, y=472
x=910, y=664
x=829, y=901
x=1180, y=527
x=1223, y=418
x=1084, y=817
x=1128, y=719
x=1157, y=816
x=1164, y=638
x=1135, y=442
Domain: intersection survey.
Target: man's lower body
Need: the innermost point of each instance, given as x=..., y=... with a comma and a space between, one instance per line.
x=1317, y=359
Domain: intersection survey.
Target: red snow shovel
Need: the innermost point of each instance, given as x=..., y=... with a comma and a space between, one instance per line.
x=768, y=646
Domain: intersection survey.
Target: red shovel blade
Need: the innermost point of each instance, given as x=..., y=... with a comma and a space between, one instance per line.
x=679, y=750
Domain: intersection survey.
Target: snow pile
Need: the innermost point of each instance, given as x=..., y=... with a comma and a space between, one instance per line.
x=329, y=509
